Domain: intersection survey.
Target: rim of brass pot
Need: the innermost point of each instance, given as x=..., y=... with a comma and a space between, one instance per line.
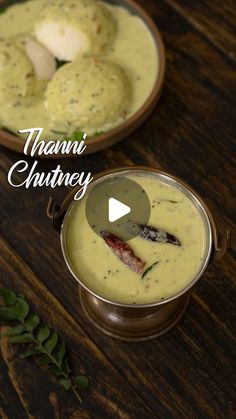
x=217, y=245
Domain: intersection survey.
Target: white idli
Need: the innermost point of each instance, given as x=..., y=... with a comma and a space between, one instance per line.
x=88, y=93
x=72, y=27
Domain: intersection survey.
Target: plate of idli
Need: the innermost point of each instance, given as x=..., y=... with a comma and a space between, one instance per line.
x=77, y=66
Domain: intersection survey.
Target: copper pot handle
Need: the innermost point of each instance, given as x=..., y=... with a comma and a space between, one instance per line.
x=221, y=243
x=56, y=213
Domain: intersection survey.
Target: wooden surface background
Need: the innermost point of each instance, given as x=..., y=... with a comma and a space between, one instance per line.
x=189, y=372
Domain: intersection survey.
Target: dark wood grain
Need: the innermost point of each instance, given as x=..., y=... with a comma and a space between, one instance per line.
x=216, y=21
x=190, y=372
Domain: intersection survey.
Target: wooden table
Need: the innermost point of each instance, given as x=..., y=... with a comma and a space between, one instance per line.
x=187, y=373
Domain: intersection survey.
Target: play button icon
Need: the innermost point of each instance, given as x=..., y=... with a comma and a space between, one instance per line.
x=116, y=204
x=117, y=210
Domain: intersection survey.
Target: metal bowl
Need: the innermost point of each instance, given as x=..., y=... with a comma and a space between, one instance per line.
x=140, y=321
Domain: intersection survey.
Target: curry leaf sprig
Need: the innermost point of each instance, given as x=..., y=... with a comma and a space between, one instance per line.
x=44, y=343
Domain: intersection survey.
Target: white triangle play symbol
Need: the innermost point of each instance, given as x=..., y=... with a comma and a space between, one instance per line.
x=117, y=210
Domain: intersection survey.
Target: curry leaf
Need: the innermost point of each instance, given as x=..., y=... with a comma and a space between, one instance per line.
x=58, y=132
x=22, y=308
x=32, y=321
x=31, y=352
x=8, y=313
x=77, y=136
x=60, y=63
x=66, y=367
x=61, y=354
x=25, y=338
x=51, y=343
x=3, y=10
x=149, y=269
x=8, y=296
x=81, y=382
x=65, y=383
x=54, y=370
x=14, y=331
x=44, y=360
x=43, y=334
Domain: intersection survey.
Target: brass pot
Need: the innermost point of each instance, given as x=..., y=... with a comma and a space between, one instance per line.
x=142, y=321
